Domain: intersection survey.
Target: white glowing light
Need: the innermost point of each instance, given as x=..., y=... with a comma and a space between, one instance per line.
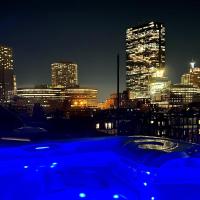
x=53, y=164
x=40, y=148
x=192, y=64
x=115, y=196
x=159, y=73
x=82, y=195
x=148, y=172
x=145, y=184
x=97, y=126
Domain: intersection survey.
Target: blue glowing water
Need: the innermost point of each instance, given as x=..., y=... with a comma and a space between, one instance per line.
x=131, y=168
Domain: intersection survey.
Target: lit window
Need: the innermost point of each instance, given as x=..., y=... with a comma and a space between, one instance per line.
x=97, y=126
x=109, y=125
x=106, y=125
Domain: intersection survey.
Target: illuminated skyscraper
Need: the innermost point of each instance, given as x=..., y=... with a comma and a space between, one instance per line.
x=6, y=73
x=145, y=54
x=64, y=75
x=192, y=77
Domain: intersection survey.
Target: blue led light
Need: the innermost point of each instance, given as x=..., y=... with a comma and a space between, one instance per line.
x=40, y=148
x=115, y=196
x=148, y=172
x=88, y=171
x=82, y=195
x=53, y=164
x=145, y=183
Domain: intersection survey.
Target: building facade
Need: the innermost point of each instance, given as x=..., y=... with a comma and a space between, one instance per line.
x=57, y=98
x=6, y=73
x=145, y=53
x=81, y=97
x=64, y=75
x=159, y=88
x=181, y=94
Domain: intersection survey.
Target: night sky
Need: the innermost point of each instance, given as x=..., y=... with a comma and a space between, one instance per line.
x=90, y=33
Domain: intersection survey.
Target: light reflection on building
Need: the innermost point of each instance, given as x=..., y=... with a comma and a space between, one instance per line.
x=145, y=53
x=159, y=88
x=159, y=144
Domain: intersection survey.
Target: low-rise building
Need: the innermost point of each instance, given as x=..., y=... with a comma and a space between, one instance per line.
x=181, y=94
x=57, y=98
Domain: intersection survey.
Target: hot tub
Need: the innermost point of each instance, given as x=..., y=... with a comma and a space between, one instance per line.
x=132, y=168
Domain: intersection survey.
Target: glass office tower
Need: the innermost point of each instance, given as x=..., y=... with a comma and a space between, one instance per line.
x=145, y=54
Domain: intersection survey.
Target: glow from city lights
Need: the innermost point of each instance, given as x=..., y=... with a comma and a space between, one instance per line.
x=157, y=87
x=159, y=73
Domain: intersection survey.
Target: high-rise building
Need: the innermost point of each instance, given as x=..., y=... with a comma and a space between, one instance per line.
x=6, y=73
x=64, y=75
x=192, y=77
x=145, y=53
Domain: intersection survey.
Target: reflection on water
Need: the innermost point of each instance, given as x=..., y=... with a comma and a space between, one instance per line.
x=160, y=144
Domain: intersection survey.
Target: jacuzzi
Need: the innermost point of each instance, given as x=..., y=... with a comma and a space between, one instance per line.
x=131, y=168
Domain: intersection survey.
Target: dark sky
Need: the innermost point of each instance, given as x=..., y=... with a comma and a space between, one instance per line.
x=91, y=33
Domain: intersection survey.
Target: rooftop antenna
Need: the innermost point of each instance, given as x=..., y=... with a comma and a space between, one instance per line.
x=118, y=82
x=118, y=97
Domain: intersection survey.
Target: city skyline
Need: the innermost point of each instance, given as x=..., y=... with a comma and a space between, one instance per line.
x=41, y=36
